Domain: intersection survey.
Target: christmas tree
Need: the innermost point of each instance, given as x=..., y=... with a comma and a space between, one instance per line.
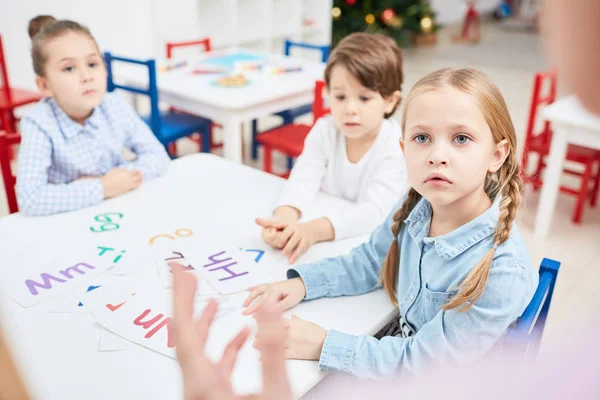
x=399, y=19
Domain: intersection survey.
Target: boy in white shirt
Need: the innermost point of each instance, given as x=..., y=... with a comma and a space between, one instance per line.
x=353, y=154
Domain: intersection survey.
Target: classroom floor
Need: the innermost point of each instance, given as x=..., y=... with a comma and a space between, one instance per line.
x=510, y=58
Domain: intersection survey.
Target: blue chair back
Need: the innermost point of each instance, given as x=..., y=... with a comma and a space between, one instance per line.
x=526, y=336
x=323, y=49
x=151, y=91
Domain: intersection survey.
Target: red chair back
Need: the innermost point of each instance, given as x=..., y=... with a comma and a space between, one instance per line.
x=6, y=141
x=542, y=79
x=318, y=107
x=4, y=83
x=205, y=43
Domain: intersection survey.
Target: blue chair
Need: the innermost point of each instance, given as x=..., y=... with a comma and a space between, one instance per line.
x=290, y=115
x=526, y=336
x=167, y=126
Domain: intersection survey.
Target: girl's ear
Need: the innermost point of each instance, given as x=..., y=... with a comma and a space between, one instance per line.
x=501, y=152
x=44, y=86
x=402, y=144
x=392, y=100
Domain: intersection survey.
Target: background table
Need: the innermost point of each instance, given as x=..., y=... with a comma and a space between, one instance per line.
x=58, y=352
x=571, y=124
x=197, y=94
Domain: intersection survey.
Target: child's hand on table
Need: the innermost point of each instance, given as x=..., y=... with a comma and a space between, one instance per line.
x=118, y=181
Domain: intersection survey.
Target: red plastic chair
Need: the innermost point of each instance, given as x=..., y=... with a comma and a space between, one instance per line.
x=206, y=45
x=11, y=98
x=7, y=140
x=289, y=139
x=539, y=143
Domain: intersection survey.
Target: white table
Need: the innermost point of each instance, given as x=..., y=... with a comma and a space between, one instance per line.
x=58, y=352
x=230, y=107
x=572, y=124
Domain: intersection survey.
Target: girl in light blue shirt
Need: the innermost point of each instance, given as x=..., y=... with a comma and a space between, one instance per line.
x=449, y=255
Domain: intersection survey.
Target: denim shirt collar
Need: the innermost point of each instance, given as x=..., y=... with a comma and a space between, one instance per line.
x=456, y=242
x=68, y=126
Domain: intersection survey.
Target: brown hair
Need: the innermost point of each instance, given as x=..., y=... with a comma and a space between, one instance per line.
x=506, y=181
x=375, y=60
x=44, y=28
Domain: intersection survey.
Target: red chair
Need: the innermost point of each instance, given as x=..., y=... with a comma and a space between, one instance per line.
x=205, y=44
x=289, y=139
x=539, y=143
x=11, y=98
x=7, y=140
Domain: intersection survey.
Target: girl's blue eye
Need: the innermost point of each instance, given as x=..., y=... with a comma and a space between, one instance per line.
x=462, y=139
x=421, y=139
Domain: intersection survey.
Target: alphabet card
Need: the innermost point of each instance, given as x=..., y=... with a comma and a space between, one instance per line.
x=165, y=256
x=42, y=278
x=145, y=319
x=228, y=269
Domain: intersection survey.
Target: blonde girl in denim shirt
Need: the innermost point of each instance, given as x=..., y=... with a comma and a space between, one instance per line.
x=449, y=255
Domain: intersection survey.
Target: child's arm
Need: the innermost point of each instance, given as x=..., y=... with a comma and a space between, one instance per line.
x=308, y=172
x=387, y=184
x=451, y=336
x=352, y=274
x=35, y=195
x=152, y=159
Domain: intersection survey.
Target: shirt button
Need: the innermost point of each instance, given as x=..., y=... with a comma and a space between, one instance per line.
x=411, y=297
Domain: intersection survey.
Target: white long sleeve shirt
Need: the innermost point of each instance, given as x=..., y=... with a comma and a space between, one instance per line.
x=374, y=184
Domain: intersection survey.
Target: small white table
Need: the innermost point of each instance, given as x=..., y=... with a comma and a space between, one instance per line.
x=571, y=124
x=58, y=352
x=265, y=95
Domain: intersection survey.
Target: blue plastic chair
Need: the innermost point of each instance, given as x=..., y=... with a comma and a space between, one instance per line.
x=167, y=126
x=290, y=115
x=526, y=336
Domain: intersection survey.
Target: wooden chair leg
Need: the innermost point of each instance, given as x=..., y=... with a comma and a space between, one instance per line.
x=596, y=188
x=583, y=193
x=268, y=159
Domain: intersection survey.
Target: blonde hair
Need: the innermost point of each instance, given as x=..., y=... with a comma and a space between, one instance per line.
x=374, y=60
x=506, y=181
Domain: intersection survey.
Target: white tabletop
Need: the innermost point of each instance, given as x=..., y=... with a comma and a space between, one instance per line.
x=200, y=88
x=58, y=352
x=570, y=111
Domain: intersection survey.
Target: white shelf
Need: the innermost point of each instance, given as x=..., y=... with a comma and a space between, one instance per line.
x=261, y=24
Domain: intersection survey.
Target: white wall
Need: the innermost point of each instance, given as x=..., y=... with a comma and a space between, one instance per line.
x=120, y=26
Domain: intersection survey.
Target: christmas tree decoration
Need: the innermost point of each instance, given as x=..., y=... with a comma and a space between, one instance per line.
x=387, y=15
x=426, y=24
x=336, y=12
x=402, y=20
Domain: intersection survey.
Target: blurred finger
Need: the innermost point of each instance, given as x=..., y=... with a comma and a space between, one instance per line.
x=256, y=305
x=300, y=249
x=184, y=291
x=231, y=351
x=203, y=325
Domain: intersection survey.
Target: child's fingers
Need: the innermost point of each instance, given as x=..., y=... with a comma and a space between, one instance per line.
x=231, y=351
x=292, y=244
x=256, y=305
x=284, y=236
x=255, y=291
x=271, y=223
x=300, y=249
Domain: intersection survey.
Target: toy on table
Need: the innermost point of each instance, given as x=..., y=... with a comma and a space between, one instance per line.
x=282, y=70
x=165, y=68
x=232, y=81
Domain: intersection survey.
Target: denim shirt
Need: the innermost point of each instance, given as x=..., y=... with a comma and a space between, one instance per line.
x=429, y=270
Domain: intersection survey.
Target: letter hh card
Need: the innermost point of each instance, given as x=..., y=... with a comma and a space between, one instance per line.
x=226, y=268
